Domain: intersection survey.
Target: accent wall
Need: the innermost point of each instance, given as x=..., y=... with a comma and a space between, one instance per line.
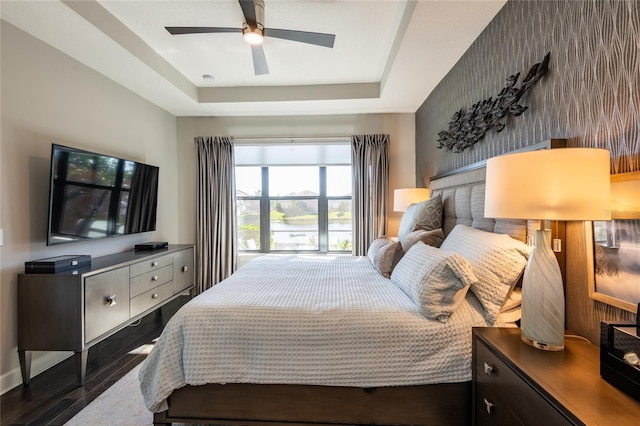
x=589, y=96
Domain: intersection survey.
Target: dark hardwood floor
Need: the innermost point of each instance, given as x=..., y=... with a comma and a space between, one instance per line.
x=53, y=397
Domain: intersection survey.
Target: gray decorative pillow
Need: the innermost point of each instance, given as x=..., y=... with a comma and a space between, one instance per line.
x=431, y=238
x=425, y=215
x=385, y=255
x=497, y=260
x=375, y=246
x=435, y=279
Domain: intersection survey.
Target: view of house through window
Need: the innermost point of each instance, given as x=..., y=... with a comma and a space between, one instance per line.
x=294, y=208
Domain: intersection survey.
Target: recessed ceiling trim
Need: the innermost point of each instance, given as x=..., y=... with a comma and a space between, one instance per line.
x=405, y=19
x=100, y=18
x=289, y=93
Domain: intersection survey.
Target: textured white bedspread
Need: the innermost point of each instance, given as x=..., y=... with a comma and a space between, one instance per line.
x=318, y=320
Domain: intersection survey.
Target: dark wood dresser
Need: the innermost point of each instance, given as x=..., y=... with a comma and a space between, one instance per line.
x=515, y=384
x=74, y=310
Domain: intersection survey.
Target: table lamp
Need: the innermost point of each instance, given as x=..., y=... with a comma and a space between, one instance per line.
x=404, y=197
x=551, y=184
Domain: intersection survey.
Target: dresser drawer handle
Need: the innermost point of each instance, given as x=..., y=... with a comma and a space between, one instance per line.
x=154, y=278
x=154, y=263
x=185, y=269
x=489, y=406
x=488, y=369
x=154, y=296
x=110, y=300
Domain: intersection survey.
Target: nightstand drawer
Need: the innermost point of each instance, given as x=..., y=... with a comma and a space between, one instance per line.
x=508, y=395
x=491, y=410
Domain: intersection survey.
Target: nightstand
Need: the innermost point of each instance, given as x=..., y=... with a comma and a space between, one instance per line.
x=515, y=384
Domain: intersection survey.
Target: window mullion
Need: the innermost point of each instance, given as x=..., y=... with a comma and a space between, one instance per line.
x=323, y=216
x=265, y=222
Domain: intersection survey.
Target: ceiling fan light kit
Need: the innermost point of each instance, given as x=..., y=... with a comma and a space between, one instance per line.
x=252, y=35
x=254, y=32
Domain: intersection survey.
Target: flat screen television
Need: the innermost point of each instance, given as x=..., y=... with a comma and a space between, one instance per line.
x=94, y=195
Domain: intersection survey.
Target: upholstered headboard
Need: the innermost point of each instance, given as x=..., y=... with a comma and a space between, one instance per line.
x=463, y=202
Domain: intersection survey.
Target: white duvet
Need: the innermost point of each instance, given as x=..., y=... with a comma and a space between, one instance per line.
x=317, y=320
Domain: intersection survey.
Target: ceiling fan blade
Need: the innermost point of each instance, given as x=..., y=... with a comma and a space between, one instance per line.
x=201, y=30
x=259, y=60
x=249, y=11
x=319, y=39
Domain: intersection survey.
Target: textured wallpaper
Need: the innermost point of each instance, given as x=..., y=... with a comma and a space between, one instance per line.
x=590, y=95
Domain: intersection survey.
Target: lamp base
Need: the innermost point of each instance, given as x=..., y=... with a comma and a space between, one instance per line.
x=540, y=345
x=542, y=324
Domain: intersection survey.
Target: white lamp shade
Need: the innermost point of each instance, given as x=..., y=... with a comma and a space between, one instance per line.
x=549, y=184
x=404, y=197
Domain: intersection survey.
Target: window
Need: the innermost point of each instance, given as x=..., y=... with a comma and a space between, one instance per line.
x=293, y=207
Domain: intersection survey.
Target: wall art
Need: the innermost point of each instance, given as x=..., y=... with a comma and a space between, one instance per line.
x=467, y=127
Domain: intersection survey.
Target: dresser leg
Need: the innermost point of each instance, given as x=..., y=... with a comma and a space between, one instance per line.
x=81, y=366
x=25, y=366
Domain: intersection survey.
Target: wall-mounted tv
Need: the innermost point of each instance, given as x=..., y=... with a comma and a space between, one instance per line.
x=97, y=196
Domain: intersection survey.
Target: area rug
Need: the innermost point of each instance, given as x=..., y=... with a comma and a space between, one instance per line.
x=120, y=405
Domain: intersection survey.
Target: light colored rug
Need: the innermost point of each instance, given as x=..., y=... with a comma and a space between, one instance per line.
x=120, y=405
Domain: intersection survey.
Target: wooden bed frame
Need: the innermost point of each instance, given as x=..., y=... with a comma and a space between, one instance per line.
x=437, y=404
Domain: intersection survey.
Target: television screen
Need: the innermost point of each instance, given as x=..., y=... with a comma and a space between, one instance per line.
x=96, y=196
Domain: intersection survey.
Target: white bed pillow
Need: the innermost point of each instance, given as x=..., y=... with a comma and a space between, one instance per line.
x=513, y=301
x=425, y=215
x=384, y=255
x=498, y=261
x=436, y=280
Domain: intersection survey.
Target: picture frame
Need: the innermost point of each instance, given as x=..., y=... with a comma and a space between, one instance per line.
x=614, y=258
x=614, y=265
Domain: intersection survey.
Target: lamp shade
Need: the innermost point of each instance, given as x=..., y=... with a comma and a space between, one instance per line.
x=549, y=184
x=404, y=197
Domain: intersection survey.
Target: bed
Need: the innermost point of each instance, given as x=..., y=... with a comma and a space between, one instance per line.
x=343, y=339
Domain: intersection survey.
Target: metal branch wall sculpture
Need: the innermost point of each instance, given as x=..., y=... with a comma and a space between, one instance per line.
x=468, y=127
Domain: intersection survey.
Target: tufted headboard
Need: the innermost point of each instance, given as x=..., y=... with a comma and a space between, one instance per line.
x=463, y=202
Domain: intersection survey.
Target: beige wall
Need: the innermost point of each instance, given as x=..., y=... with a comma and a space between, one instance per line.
x=48, y=97
x=400, y=127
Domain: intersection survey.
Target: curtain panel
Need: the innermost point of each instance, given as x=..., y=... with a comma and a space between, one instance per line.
x=370, y=163
x=216, y=241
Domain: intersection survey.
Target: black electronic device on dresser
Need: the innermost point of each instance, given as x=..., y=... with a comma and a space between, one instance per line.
x=51, y=265
x=152, y=245
x=74, y=309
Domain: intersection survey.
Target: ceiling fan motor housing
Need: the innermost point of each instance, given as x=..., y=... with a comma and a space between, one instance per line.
x=258, y=26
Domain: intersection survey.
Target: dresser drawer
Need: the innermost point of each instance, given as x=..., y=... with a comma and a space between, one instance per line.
x=182, y=270
x=509, y=394
x=106, y=303
x=150, y=280
x=150, y=265
x=151, y=298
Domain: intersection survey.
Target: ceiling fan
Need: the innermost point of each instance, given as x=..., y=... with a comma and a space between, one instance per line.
x=254, y=32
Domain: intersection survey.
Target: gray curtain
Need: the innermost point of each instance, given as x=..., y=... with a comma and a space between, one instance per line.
x=370, y=163
x=216, y=242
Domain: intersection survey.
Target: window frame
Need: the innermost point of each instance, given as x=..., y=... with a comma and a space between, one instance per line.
x=265, y=212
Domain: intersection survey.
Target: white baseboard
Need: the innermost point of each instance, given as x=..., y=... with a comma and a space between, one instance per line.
x=39, y=364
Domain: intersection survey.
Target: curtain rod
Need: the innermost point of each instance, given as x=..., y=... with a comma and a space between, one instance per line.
x=282, y=140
